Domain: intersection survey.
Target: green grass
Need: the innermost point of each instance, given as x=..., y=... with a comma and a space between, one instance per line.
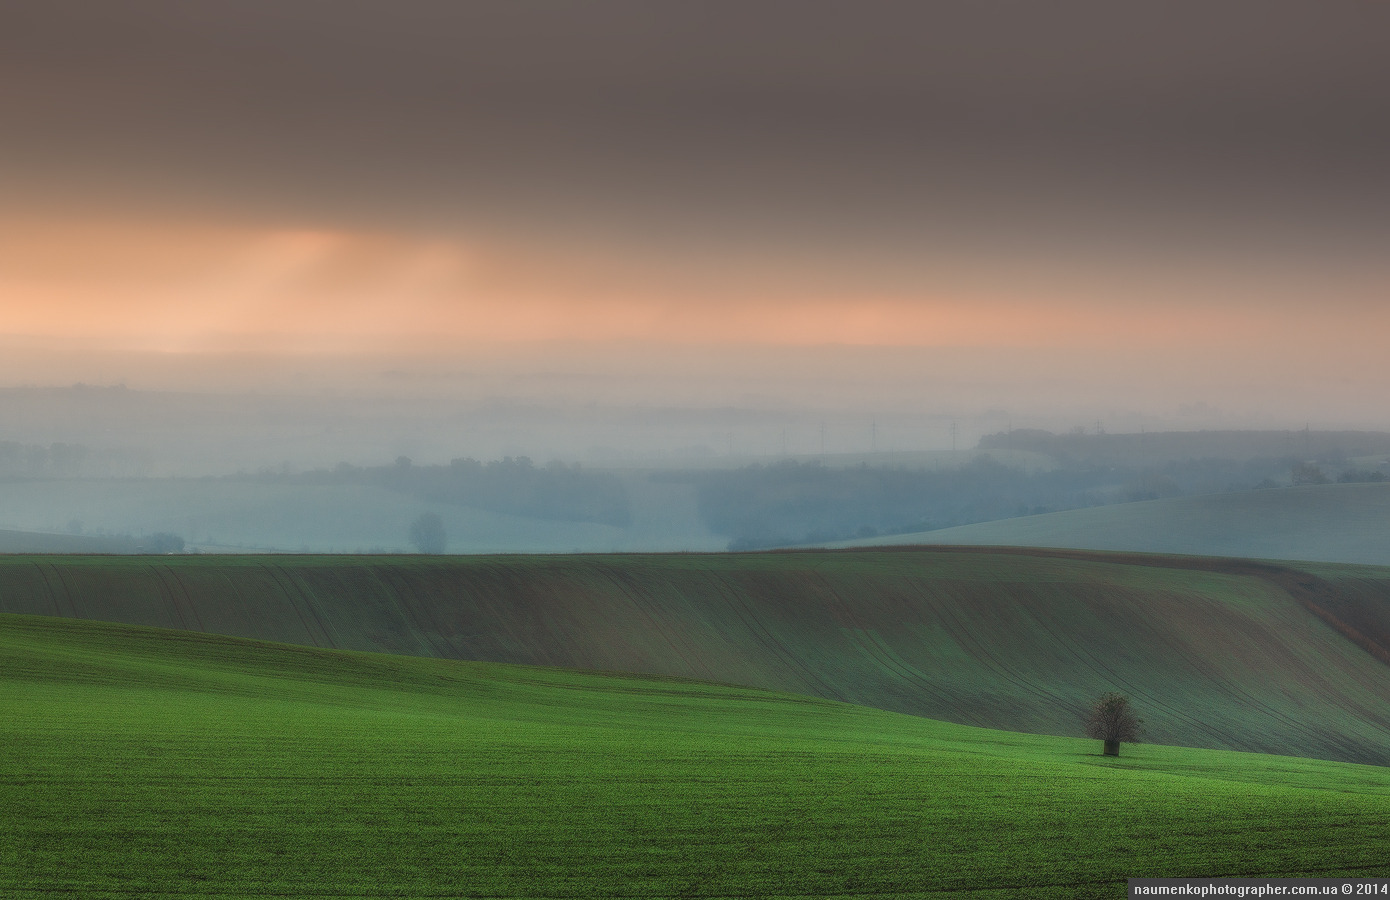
x=140, y=762
x=1003, y=640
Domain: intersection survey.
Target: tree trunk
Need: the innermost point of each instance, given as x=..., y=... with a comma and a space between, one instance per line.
x=1112, y=748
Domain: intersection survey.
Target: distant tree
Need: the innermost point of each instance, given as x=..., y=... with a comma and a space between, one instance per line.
x=1112, y=721
x=427, y=533
x=161, y=542
x=1307, y=473
x=1360, y=476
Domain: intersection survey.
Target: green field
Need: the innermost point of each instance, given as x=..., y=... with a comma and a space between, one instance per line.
x=1333, y=522
x=1217, y=654
x=141, y=762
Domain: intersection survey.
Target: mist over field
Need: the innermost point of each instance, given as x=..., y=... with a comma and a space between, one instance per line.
x=196, y=472
x=653, y=276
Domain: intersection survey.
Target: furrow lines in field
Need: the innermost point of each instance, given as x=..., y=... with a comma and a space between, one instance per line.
x=53, y=595
x=1312, y=593
x=879, y=651
x=739, y=606
x=908, y=672
x=290, y=600
x=414, y=609
x=962, y=632
x=647, y=610
x=1116, y=680
x=311, y=603
x=1213, y=676
x=1180, y=650
x=179, y=613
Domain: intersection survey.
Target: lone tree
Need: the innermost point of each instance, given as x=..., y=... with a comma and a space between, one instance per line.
x=427, y=533
x=1113, y=721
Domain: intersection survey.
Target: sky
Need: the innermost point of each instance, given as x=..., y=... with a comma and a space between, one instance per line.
x=1057, y=212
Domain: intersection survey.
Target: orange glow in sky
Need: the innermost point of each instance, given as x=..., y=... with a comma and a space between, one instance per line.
x=190, y=289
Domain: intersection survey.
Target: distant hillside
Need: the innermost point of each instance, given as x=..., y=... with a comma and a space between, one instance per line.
x=1330, y=522
x=229, y=515
x=1157, y=447
x=513, y=505
x=1216, y=653
x=42, y=542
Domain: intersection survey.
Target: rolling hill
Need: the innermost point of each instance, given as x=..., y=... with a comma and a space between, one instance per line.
x=1332, y=522
x=144, y=762
x=1216, y=653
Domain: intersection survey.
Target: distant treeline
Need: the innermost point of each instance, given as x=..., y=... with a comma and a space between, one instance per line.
x=64, y=460
x=39, y=461
x=794, y=502
x=1156, y=447
x=76, y=542
x=513, y=485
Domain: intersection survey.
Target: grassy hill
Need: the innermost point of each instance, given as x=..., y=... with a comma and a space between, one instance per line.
x=1331, y=522
x=1219, y=654
x=169, y=764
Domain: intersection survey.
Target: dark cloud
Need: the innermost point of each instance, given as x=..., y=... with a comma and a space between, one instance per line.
x=854, y=121
x=1131, y=205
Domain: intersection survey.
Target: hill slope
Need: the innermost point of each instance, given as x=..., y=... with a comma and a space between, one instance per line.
x=1332, y=522
x=169, y=764
x=1216, y=653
